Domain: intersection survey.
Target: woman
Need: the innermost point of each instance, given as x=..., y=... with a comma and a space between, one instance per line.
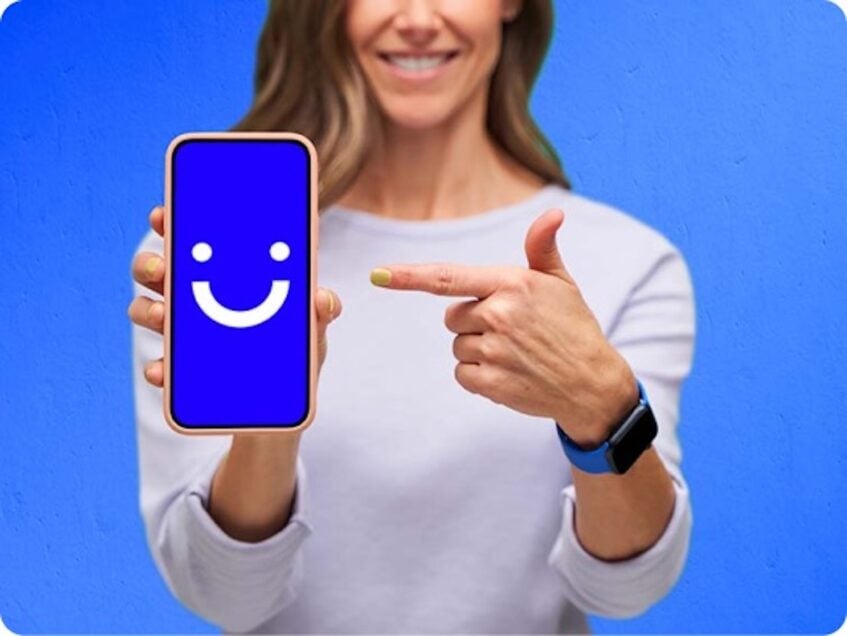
x=431, y=492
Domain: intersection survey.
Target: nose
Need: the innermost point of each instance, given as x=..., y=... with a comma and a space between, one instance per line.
x=418, y=21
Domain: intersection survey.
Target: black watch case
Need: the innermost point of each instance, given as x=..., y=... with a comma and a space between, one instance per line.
x=632, y=438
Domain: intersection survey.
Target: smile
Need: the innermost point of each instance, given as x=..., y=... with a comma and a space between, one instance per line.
x=240, y=318
x=417, y=66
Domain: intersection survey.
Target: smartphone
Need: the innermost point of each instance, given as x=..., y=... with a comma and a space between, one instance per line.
x=240, y=243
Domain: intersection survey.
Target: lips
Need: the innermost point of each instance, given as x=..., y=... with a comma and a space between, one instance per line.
x=418, y=62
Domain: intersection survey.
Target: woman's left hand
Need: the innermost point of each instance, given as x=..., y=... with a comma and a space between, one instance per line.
x=529, y=341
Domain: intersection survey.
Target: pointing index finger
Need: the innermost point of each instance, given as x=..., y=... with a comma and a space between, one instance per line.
x=443, y=279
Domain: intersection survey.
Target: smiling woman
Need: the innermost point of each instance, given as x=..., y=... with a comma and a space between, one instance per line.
x=507, y=462
x=321, y=68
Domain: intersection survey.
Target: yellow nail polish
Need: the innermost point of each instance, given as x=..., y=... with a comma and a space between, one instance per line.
x=380, y=276
x=151, y=266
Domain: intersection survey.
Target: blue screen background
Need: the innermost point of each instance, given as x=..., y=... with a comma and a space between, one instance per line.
x=240, y=197
x=722, y=124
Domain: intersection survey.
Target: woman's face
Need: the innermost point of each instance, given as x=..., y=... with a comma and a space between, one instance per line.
x=426, y=59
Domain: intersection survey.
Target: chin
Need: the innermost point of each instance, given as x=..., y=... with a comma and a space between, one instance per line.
x=416, y=114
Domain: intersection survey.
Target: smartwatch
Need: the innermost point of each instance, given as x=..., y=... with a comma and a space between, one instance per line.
x=617, y=454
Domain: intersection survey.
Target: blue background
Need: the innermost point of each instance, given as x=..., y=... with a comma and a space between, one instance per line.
x=240, y=197
x=722, y=124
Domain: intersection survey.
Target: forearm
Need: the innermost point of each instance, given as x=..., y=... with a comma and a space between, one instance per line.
x=620, y=516
x=253, y=488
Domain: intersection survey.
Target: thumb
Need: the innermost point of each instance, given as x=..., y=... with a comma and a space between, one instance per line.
x=328, y=306
x=542, y=252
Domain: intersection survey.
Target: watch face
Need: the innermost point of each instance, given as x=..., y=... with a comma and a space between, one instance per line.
x=633, y=439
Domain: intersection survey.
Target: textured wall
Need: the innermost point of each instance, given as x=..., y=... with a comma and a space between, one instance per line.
x=723, y=124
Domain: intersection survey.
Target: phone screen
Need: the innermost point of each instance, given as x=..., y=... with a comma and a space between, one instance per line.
x=240, y=283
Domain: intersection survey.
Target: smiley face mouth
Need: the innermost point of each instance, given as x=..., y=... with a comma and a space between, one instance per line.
x=240, y=317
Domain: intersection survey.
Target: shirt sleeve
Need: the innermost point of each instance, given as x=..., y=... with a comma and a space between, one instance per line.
x=233, y=584
x=654, y=331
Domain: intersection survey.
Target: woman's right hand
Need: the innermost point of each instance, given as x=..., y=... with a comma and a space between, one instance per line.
x=148, y=269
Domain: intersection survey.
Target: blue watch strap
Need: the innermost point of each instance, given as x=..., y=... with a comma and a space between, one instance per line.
x=592, y=461
x=589, y=461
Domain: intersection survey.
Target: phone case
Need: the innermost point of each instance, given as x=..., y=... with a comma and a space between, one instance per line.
x=236, y=332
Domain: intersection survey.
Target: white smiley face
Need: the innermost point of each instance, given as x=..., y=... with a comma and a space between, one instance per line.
x=202, y=252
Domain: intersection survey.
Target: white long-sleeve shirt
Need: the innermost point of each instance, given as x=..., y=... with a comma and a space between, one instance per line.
x=419, y=506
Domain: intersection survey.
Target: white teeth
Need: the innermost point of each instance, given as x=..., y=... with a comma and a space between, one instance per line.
x=417, y=63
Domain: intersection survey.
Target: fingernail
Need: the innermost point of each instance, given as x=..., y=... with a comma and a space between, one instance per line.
x=152, y=266
x=331, y=302
x=380, y=276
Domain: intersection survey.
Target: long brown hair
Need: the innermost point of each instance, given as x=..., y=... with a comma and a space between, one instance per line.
x=307, y=80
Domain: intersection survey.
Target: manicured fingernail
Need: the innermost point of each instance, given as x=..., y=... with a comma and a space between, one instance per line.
x=152, y=266
x=380, y=276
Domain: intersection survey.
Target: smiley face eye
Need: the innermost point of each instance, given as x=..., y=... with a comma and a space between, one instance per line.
x=280, y=251
x=201, y=252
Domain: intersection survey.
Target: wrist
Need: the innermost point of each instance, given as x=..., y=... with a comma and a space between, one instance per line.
x=624, y=442
x=266, y=444
x=618, y=397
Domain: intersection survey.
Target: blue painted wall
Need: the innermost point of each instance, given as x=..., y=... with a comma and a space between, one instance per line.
x=723, y=124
